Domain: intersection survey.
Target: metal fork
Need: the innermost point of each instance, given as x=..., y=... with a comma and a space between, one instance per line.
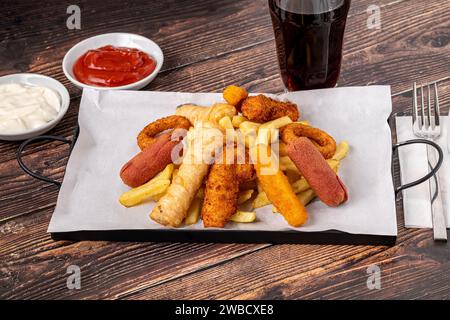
x=428, y=127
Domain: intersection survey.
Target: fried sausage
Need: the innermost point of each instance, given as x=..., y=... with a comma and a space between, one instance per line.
x=312, y=165
x=149, y=162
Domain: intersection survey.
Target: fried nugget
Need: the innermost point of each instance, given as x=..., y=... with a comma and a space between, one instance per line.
x=234, y=96
x=262, y=109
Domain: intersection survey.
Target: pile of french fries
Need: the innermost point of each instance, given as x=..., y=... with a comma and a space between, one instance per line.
x=251, y=195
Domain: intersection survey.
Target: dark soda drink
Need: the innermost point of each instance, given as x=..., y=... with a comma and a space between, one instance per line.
x=309, y=36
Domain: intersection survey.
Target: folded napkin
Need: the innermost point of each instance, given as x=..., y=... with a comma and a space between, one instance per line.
x=413, y=165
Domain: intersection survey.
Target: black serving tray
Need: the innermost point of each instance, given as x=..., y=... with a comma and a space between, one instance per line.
x=242, y=236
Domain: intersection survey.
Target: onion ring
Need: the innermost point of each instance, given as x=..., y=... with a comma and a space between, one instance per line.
x=322, y=140
x=147, y=135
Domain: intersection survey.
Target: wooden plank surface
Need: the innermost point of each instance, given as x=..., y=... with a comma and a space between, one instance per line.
x=208, y=46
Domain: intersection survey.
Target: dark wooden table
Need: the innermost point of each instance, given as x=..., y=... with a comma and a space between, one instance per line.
x=209, y=44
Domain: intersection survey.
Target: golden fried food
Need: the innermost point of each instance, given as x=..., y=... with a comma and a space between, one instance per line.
x=211, y=114
x=173, y=207
x=147, y=135
x=262, y=109
x=157, y=185
x=322, y=140
x=245, y=170
x=234, y=95
x=280, y=193
x=221, y=195
x=341, y=151
x=243, y=217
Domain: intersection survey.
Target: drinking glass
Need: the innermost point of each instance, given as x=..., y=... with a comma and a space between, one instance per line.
x=309, y=36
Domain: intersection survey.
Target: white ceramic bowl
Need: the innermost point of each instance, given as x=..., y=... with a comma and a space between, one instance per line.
x=119, y=39
x=34, y=79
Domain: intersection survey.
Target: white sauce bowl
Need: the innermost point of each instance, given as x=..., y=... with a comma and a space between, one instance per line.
x=119, y=39
x=33, y=79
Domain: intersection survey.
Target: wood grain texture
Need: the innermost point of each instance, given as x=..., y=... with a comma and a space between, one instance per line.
x=208, y=46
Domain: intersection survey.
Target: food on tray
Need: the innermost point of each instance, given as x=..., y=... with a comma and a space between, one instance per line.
x=111, y=66
x=234, y=95
x=147, y=135
x=24, y=107
x=341, y=151
x=194, y=212
x=322, y=140
x=243, y=217
x=237, y=120
x=308, y=148
x=280, y=193
x=157, y=185
x=227, y=157
x=262, y=109
x=172, y=208
x=211, y=114
x=149, y=162
x=245, y=196
x=222, y=186
x=221, y=194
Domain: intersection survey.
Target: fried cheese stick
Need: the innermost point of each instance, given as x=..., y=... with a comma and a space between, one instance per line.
x=280, y=193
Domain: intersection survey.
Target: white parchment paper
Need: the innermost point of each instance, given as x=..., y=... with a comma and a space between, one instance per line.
x=110, y=121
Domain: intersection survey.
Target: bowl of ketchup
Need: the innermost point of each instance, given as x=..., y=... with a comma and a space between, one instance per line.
x=113, y=61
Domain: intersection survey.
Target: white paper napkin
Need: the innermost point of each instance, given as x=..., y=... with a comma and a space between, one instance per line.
x=413, y=165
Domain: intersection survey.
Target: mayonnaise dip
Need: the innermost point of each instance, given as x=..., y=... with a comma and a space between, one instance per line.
x=24, y=107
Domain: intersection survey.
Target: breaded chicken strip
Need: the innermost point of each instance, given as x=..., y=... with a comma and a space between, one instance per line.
x=262, y=109
x=221, y=195
x=222, y=188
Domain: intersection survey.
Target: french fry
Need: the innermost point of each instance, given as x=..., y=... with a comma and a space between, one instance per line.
x=225, y=123
x=200, y=193
x=287, y=164
x=245, y=195
x=248, y=126
x=144, y=192
x=250, y=132
x=266, y=130
x=243, y=217
x=334, y=164
x=194, y=212
x=166, y=173
x=155, y=188
x=306, y=197
x=276, y=124
x=300, y=185
x=237, y=120
x=261, y=200
x=341, y=151
x=174, y=173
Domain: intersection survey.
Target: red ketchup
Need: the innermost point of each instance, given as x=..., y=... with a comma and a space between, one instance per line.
x=111, y=66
